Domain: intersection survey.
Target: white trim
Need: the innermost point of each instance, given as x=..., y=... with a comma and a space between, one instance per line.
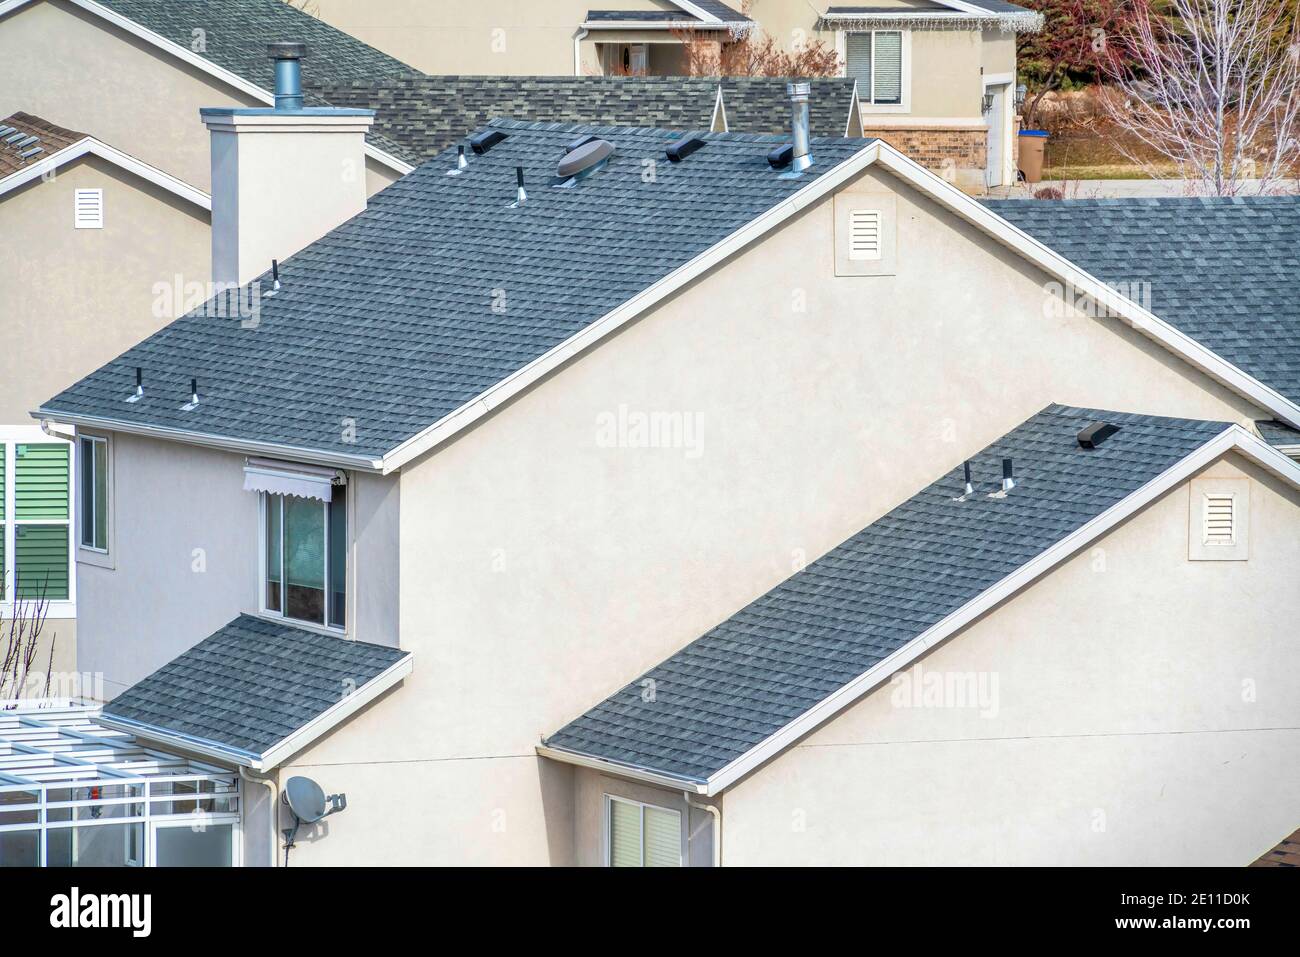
x=90, y=145
x=719, y=112
x=894, y=121
x=696, y=11
x=631, y=772
x=1232, y=439
x=315, y=457
x=664, y=25
x=199, y=62
x=283, y=749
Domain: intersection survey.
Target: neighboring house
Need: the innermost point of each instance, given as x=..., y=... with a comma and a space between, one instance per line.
x=426, y=114
x=936, y=78
x=136, y=72
x=489, y=455
x=90, y=230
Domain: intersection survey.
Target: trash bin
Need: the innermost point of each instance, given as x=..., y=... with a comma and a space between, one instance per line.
x=1032, y=143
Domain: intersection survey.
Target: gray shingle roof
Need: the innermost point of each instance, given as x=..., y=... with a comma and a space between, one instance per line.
x=762, y=104
x=720, y=10
x=815, y=632
x=1277, y=433
x=645, y=16
x=426, y=114
x=251, y=684
x=235, y=34
x=1224, y=271
x=389, y=320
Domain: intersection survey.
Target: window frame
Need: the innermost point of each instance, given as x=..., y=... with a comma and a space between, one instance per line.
x=869, y=105
x=609, y=799
x=275, y=615
x=12, y=436
x=82, y=504
x=85, y=553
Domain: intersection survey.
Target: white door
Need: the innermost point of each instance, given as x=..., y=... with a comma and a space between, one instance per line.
x=997, y=120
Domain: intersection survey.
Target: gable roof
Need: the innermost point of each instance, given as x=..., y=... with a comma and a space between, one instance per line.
x=408, y=285
x=1225, y=271
x=228, y=39
x=59, y=146
x=256, y=691
x=426, y=114
x=1285, y=854
x=799, y=654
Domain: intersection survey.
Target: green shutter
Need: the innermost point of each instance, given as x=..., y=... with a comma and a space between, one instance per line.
x=2, y=492
x=41, y=561
x=4, y=576
x=40, y=481
x=663, y=838
x=624, y=834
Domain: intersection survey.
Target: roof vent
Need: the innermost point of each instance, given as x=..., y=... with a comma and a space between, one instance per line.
x=678, y=150
x=585, y=157
x=1008, y=475
x=780, y=157
x=288, y=73
x=1093, y=435
x=799, y=93
x=480, y=143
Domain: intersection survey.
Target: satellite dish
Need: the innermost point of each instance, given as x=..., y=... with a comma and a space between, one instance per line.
x=308, y=804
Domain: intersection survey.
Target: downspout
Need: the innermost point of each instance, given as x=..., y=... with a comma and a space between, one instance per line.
x=577, y=52
x=273, y=813
x=717, y=825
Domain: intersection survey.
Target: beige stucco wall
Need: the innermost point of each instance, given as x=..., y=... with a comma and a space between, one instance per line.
x=72, y=68
x=1145, y=714
x=544, y=569
x=77, y=298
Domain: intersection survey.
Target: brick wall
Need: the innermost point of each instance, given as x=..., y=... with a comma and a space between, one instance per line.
x=941, y=150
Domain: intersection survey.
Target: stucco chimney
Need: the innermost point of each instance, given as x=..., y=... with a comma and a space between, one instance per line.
x=282, y=177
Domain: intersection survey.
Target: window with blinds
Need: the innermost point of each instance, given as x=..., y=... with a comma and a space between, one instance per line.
x=642, y=835
x=1220, y=519
x=875, y=59
x=34, y=521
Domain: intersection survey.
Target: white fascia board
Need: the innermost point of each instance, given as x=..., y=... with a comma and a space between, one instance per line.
x=198, y=62
x=1233, y=438
x=336, y=715
x=649, y=25
x=358, y=463
x=631, y=772
x=631, y=309
x=92, y=146
x=695, y=11
x=276, y=755
x=181, y=742
x=1055, y=264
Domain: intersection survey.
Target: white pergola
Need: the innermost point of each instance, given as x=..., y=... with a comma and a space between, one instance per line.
x=62, y=774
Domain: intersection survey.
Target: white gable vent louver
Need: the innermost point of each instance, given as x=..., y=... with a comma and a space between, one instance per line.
x=1220, y=519
x=864, y=234
x=88, y=209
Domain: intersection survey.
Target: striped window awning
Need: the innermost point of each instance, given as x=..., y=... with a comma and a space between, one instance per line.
x=288, y=478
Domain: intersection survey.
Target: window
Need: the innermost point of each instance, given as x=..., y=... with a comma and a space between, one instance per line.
x=88, y=209
x=93, y=493
x=875, y=59
x=642, y=835
x=35, y=554
x=305, y=557
x=864, y=234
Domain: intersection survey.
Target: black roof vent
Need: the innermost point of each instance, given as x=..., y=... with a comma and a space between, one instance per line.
x=680, y=149
x=480, y=143
x=781, y=157
x=1093, y=435
x=585, y=157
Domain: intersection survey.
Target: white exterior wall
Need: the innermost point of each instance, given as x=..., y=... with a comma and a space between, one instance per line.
x=1146, y=714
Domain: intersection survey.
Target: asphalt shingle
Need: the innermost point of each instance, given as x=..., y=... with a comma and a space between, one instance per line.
x=27, y=139
x=438, y=290
x=815, y=632
x=1224, y=271
x=252, y=684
